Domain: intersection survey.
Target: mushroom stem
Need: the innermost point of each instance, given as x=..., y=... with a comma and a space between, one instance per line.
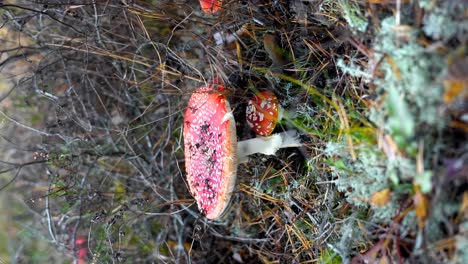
x=267, y=145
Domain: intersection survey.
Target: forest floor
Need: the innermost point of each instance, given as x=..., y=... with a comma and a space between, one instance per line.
x=92, y=103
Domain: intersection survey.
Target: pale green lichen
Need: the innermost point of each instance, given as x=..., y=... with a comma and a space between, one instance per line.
x=353, y=70
x=445, y=20
x=353, y=15
x=400, y=121
x=365, y=176
x=411, y=82
x=350, y=235
x=412, y=92
x=409, y=86
x=360, y=179
x=406, y=75
x=461, y=254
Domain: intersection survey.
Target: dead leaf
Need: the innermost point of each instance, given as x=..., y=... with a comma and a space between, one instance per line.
x=421, y=205
x=454, y=89
x=463, y=212
x=275, y=52
x=381, y=198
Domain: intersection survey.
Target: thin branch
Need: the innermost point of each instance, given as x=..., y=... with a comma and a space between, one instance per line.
x=43, y=13
x=19, y=167
x=12, y=180
x=33, y=129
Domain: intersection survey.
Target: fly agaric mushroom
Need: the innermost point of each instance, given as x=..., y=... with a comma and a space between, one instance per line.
x=210, y=6
x=263, y=112
x=81, y=249
x=212, y=152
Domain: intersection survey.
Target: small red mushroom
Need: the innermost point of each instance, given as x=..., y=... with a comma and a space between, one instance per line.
x=212, y=151
x=81, y=250
x=210, y=6
x=263, y=112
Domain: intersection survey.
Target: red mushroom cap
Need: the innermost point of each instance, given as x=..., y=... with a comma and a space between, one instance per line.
x=262, y=113
x=210, y=149
x=210, y=6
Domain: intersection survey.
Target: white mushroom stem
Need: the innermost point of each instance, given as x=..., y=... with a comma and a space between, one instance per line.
x=267, y=145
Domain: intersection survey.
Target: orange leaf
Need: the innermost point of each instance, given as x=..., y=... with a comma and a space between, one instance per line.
x=381, y=198
x=453, y=89
x=421, y=205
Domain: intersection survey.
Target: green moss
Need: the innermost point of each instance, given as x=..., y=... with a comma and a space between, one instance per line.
x=119, y=191
x=330, y=257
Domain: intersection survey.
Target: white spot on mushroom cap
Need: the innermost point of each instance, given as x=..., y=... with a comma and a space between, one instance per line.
x=260, y=116
x=262, y=110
